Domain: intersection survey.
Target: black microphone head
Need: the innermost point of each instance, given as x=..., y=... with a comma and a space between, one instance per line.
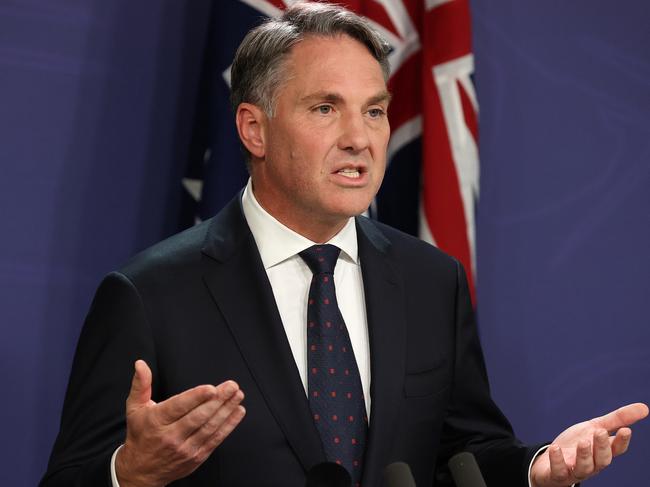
x=465, y=471
x=398, y=474
x=328, y=474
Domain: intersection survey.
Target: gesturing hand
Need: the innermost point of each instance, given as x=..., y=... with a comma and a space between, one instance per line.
x=168, y=440
x=586, y=448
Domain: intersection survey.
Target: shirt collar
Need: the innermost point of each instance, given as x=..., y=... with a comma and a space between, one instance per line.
x=277, y=243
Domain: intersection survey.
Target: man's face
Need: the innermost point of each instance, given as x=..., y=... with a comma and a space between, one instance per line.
x=325, y=147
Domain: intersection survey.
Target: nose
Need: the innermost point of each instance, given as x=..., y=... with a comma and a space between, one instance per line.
x=354, y=133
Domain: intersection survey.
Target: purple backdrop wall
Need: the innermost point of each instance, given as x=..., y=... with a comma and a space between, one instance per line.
x=97, y=105
x=564, y=216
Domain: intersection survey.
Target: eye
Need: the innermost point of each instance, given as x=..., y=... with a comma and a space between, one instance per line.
x=324, y=109
x=376, y=112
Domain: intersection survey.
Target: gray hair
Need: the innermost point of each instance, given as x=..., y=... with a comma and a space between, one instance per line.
x=258, y=68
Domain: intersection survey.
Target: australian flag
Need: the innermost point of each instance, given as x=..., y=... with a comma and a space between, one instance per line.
x=432, y=180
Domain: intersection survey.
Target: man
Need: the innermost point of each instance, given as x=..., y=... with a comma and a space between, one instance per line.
x=241, y=301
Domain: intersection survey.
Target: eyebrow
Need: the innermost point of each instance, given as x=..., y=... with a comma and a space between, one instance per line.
x=384, y=96
x=332, y=97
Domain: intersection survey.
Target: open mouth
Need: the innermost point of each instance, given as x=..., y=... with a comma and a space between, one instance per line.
x=349, y=173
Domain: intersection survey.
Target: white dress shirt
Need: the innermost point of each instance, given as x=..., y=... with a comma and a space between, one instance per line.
x=290, y=279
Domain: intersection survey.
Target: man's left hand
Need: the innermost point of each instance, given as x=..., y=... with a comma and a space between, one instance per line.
x=586, y=448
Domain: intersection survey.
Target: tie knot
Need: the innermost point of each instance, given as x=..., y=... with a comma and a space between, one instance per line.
x=321, y=259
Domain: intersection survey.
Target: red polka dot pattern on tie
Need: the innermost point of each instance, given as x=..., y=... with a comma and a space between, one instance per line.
x=329, y=353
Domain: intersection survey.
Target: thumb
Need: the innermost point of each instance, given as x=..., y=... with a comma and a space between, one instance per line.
x=140, y=393
x=624, y=416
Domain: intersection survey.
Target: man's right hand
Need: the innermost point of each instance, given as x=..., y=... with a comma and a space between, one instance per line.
x=169, y=440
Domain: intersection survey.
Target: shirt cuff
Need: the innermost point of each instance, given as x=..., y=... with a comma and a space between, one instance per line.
x=114, y=475
x=530, y=467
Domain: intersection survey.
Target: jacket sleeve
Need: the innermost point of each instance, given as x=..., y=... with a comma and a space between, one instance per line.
x=115, y=334
x=473, y=422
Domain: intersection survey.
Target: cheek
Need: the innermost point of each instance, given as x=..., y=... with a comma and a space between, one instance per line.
x=308, y=156
x=382, y=137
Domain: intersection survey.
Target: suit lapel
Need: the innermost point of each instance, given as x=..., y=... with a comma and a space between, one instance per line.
x=384, y=294
x=239, y=285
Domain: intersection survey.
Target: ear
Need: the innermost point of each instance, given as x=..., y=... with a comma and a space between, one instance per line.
x=250, y=120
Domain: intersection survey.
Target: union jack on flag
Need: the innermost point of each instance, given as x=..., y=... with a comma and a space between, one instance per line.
x=432, y=180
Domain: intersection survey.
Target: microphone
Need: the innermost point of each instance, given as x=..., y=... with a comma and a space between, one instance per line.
x=465, y=471
x=398, y=474
x=328, y=474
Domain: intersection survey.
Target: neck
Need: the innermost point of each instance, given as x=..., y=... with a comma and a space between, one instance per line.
x=314, y=229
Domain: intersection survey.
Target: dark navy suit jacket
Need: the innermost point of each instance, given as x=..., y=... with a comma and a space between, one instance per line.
x=198, y=307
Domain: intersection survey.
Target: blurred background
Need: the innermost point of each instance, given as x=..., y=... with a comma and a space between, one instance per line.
x=115, y=132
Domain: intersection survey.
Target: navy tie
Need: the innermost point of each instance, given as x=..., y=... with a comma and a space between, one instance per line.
x=335, y=392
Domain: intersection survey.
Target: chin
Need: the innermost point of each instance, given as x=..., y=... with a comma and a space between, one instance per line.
x=353, y=210
x=347, y=204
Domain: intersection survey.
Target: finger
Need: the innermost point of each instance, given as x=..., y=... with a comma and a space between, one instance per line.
x=140, y=393
x=227, y=427
x=196, y=453
x=621, y=441
x=560, y=472
x=226, y=390
x=624, y=416
x=218, y=413
x=602, y=450
x=584, y=466
x=178, y=406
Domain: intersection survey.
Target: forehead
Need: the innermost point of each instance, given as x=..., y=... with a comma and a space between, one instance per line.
x=317, y=62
